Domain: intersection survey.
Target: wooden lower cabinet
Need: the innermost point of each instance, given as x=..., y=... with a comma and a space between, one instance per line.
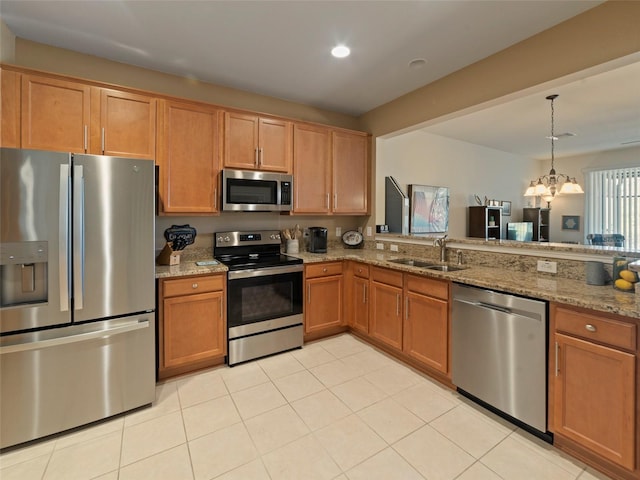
x=595, y=389
x=357, y=296
x=385, y=309
x=191, y=323
x=323, y=309
x=426, y=321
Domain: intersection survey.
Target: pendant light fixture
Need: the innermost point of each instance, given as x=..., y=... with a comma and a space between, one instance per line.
x=547, y=186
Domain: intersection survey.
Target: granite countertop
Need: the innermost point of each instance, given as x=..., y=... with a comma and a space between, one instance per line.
x=535, y=285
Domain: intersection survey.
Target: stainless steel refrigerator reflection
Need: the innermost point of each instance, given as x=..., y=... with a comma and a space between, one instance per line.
x=77, y=292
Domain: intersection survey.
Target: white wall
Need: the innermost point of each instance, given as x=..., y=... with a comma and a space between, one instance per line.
x=467, y=169
x=574, y=204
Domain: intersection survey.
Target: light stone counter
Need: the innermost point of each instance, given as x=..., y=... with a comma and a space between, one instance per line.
x=530, y=284
x=504, y=277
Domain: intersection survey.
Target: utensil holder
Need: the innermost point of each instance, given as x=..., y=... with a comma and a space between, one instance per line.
x=168, y=256
x=293, y=246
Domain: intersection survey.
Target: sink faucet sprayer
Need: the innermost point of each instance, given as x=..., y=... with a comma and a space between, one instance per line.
x=442, y=243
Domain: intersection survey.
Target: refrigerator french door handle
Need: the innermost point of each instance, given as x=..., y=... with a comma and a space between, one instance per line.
x=78, y=237
x=63, y=238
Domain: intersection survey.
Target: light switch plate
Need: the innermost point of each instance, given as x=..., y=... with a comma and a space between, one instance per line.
x=338, y=231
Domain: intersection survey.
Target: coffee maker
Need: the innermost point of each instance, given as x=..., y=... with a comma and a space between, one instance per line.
x=317, y=239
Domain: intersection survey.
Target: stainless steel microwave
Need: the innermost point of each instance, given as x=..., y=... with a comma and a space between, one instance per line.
x=254, y=191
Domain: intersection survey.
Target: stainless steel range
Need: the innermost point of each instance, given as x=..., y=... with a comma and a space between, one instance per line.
x=264, y=294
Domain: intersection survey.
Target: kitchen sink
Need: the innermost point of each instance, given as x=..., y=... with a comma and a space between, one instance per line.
x=411, y=262
x=428, y=265
x=445, y=268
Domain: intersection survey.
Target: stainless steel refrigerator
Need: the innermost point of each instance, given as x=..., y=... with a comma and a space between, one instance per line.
x=77, y=296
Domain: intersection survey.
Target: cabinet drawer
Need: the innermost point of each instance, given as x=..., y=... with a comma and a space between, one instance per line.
x=361, y=270
x=323, y=269
x=187, y=286
x=390, y=277
x=592, y=327
x=427, y=286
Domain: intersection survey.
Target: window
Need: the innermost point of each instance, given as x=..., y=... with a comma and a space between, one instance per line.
x=612, y=204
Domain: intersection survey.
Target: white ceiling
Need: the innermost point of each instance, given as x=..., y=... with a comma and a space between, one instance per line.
x=281, y=49
x=602, y=110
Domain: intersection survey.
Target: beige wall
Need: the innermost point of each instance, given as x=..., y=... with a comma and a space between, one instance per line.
x=66, y=62
x=7, y=44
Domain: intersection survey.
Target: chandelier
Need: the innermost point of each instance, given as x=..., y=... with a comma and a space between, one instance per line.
x=547, y=186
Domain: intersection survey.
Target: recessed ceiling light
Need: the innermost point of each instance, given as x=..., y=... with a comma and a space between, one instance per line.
x=417, y=63
x=340, y=51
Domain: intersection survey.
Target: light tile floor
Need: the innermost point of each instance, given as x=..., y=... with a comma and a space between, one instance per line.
x=336, y=409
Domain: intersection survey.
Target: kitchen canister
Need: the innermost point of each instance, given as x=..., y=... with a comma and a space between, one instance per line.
x=292, y=245
x=595, y=273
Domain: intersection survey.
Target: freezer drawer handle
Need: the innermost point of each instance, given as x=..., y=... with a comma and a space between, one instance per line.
x=82, y=337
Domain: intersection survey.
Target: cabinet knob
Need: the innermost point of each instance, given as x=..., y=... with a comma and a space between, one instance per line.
x=590, y=327
x=324, y=269
x=194, y=285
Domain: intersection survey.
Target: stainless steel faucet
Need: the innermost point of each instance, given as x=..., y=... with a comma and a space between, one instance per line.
x=442, y=243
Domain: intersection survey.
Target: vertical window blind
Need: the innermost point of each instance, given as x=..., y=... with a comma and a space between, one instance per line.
x=612, y=203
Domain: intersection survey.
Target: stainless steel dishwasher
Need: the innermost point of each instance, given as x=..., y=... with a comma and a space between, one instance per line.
x=499, y=354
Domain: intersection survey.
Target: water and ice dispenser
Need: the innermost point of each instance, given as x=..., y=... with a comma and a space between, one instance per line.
x=23, y=273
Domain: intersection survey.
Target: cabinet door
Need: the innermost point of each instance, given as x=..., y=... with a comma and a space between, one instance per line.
x=275, y=143
x=55, y=114
x=350, y=173
x=426, y=330
x=240, y=141
x=311, y=169
x=323, y=303
x=360, y=312
x=385, y=315
x=594, y=398
x=194, y=328
x=189, y=158
x=125, y=126
x=10, y=109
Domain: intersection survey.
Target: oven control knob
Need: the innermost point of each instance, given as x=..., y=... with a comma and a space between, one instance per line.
x=227, y=239
x=275, y=236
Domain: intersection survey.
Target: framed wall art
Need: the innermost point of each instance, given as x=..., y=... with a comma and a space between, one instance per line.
x=571, y=222
x=506, y=208
x=429, y=212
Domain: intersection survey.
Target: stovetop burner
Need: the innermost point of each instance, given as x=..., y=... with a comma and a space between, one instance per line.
x=249, y=250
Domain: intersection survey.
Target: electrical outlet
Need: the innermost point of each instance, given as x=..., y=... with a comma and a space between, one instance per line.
x=369, y=232
x=547, y=267
x=380, y=246
x=338, y=231
x=393, y=248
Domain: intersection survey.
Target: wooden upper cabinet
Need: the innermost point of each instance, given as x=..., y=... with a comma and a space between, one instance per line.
x=311, y=169
x=350, y=173
x=74, y=117
x=123, y=124
x=257, y=143
x=55, y=114
x=10, y=109
x=189, y=150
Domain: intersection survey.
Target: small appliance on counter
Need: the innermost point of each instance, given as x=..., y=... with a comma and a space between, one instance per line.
x=317, y=239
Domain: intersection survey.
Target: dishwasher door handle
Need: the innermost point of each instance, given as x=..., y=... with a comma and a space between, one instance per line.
x=491, y=306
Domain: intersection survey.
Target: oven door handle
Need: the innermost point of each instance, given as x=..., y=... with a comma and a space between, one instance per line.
x=266, y=271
